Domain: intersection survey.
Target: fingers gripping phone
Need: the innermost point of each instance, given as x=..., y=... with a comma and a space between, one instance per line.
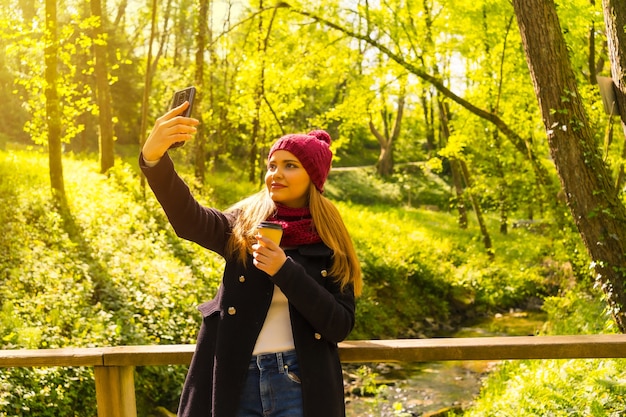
x=180, y=96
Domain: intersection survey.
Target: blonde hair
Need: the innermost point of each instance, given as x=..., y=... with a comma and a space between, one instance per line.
x=326, y=219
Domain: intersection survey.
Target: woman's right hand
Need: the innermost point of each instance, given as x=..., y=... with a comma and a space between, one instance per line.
x=168, y=129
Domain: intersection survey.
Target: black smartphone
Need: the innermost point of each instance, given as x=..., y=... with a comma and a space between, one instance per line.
x=180, y=96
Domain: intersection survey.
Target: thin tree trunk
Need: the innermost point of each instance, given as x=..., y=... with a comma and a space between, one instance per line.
x=427, y=91
x=258, y=101
x=151, y=67
x=200, y=139
x=147, y=85
x=53, y=114
x=503, y=187
x=477, y=209
x=455, y=167
x=387, y=139
x=427, y=107
x=103, y=92
x=495, y=134
x=457, y=180
x=591, y=55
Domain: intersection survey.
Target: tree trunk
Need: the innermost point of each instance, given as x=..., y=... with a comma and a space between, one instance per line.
x=591, y=197
x=384, y=165
x=147, y=85
x=151, y=67
x=258, y=100
x=53, y=114
x=455, y=167
x=103, y=92
x=200, y=140
x=591, y=57
x=477, y=209
x=457, y=180
x=387, y=139
x=429, y=126
x=503, y=187
x=494, y=107
x=615, y=21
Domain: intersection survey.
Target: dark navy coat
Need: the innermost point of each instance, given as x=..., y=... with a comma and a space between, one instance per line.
x=321, y=314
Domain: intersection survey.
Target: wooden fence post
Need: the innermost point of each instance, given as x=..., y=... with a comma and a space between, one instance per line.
x=115, y=391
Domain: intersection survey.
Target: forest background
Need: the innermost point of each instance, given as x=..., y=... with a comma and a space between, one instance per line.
x=494, y=202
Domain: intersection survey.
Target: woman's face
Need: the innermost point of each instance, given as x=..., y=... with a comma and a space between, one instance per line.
x=286, y=179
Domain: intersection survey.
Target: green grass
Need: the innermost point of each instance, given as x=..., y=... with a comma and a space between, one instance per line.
x=555, y=388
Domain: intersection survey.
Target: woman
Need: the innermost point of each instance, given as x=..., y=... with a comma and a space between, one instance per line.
x=267, y=345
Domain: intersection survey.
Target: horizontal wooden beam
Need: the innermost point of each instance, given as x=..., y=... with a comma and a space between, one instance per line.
x=485, y=348
x=23, y=358
x=149, y=355
x=400, y=350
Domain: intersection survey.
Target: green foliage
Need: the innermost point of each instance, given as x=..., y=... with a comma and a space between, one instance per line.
x=160, y=385
x=47, y=392
x=26, y=53
x=112, y=272
x=554, y=388
x=578, y=312
x=367, y=385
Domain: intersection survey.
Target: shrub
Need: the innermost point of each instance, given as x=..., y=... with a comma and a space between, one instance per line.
x=47, y=392
x=554, y=388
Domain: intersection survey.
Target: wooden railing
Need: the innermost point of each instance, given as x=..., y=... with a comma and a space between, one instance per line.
x=114, y=366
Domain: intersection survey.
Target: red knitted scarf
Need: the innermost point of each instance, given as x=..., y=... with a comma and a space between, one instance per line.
x=298, y=228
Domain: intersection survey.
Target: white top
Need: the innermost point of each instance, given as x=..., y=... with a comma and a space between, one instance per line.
x=276, y=334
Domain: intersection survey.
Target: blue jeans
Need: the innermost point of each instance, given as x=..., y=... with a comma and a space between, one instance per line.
x=272, y=387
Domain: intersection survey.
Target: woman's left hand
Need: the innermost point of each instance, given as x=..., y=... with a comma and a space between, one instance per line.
x=268, y=256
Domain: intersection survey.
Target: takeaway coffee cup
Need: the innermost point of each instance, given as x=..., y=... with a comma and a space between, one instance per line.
x=271, y=231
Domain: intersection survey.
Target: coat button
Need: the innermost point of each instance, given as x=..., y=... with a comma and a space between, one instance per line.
x=232, y=311
x=324, y=273
x=242, y=278
x=318, y=336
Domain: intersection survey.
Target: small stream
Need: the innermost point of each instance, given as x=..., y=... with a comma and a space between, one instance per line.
x=413, y=389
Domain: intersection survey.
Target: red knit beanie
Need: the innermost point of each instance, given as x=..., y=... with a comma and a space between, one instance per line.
x=312, y=150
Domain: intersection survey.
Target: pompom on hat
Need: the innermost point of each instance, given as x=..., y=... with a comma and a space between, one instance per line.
x=312, y=150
